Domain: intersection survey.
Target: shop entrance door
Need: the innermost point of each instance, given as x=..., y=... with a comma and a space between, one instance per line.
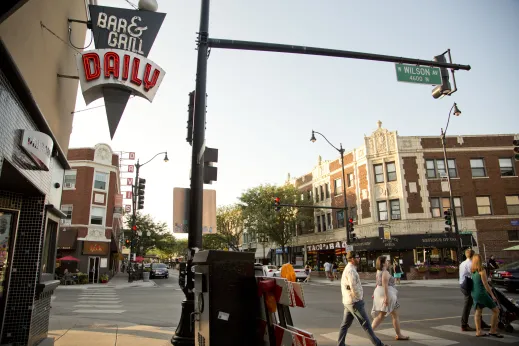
x=93, y=269
x=7, y=231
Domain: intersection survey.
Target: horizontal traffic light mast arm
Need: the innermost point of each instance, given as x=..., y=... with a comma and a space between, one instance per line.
x=285, y=48
x=310, y=206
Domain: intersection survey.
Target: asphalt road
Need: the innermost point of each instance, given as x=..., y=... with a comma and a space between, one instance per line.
x=429, y=315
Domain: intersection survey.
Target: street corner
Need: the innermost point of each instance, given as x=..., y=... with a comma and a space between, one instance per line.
x=144, y=335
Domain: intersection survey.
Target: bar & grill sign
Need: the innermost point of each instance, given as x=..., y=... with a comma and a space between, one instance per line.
x=119, y=66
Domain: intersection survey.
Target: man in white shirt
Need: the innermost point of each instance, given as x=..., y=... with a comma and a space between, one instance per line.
x=327, y=270
x=465, y=270
x=352, y=298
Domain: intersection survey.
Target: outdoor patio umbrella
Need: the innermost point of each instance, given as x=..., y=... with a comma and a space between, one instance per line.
x=68, y=258
x=139, y=259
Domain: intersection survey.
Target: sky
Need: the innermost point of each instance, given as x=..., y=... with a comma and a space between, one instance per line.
x=263, y=106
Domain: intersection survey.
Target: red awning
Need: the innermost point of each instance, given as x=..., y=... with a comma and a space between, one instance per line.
x=68, y=258
x=139, y=259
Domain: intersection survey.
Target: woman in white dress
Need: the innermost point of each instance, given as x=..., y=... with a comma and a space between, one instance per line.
x=385, y=298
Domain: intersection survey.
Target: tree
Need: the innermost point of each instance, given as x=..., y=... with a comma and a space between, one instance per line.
x=260, y=217
x=229, y=225
x=213, y=241
x=159, y=237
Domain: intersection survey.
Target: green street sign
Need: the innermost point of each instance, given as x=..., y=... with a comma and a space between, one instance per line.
x=466, y=232
x=418, y=74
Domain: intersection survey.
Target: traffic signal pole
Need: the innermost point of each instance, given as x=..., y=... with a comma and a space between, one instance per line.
x=134, y=219
x=346, y=223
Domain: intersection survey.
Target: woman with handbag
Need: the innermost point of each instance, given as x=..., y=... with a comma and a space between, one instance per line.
x=385, y=298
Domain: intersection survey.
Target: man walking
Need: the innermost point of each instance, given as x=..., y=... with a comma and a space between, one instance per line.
x=466, y=287
x=352, y=298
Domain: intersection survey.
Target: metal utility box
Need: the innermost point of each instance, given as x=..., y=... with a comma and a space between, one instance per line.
x=226, y=301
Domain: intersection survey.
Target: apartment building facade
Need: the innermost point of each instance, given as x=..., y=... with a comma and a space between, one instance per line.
x=92, y=201
x=36, y=108
x=397, y=192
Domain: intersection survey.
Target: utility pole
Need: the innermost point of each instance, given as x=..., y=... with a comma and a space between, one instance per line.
x=134, y=219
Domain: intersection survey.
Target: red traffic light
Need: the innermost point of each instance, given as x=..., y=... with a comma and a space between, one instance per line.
x=350, y=220
x=134, y=228
x=277, y=199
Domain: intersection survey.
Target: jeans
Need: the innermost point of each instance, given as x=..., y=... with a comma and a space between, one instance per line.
x=357, y=311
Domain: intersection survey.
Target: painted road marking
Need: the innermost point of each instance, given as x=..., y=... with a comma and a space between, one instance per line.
x=105, y=306
x=100, y=298
x=86, y=311
x=350, y=339
x=507, y=339
x=95, y=301
x=419, y=338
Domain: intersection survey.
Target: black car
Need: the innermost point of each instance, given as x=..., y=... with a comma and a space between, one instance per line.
x=159, y=270
x=507, y=276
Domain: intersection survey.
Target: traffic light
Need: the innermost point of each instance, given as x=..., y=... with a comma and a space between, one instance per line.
x=210, y=156
x=448, y=220
x=140, y=193
x=445, y=87
x=351, y=230
x=127, y=241
x=516, y=149
x=134, y=228
x=277, y=200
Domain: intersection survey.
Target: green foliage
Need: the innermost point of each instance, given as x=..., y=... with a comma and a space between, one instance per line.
x=260, y=217
x=230, y=227
x=160, y=237
x=213, y=242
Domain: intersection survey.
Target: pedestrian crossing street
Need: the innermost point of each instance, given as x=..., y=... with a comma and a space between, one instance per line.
x=99, y=300
x=358, y=338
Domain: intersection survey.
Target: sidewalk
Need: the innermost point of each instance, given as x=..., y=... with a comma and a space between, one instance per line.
x=120, y=280
x=75, y=331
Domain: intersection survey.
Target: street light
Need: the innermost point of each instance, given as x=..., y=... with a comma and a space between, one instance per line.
x=456, y=112
x=134, y=202
x=341, y=151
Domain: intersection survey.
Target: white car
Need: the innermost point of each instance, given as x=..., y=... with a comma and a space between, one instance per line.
x=270, y=270
x=300, y=273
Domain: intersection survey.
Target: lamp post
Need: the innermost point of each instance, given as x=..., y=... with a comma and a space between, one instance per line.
x=341, y=151
x=134, y=205
x=456, y=112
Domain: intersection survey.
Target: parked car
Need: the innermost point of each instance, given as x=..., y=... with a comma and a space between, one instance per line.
x=300, y=272
x=159, y=270
x=270, y=270
x=507, y=276
x=259, y=270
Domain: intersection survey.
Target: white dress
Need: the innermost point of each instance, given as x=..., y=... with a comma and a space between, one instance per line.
x=378, y=296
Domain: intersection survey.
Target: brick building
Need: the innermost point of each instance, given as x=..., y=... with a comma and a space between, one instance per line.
x=397, y=192
x=36, y=108
x=92, y=203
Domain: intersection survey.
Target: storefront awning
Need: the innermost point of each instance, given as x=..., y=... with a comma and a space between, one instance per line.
x=513, y=248
x=411, y=241
x=259, y=253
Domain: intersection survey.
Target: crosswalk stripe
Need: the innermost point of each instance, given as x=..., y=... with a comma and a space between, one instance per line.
x=98, y=302
x=100, y=298
x=86, y=311
x=98, y=295
x=350, y=339
x=507, y=339
x=104, y=306
x=419, y=338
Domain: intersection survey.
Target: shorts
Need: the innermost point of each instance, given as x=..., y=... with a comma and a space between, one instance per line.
x=335, y=271
x=397, y=275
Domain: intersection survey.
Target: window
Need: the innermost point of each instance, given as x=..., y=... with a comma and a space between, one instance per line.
x=353, y=213
x=100, y=181
x=323, y=219
x=395, y=209
x=340, y=218
x=322, y=192
x=318, y=223
x=329, y=220
x=436, y=168
x=379, y=174
x=382, y=210
x=441, y=204
x=316, y=195
x=309, y=195
x=391, y=171
x=327, y=188
x=349, y=178
x=67, y=209
x=513, y=235
x=512, y=203
x=484, y=207
x=337, y=184
x=478, y=168
x=507, y=167
x=69, y=180
x=97, y=216
x=302, y=196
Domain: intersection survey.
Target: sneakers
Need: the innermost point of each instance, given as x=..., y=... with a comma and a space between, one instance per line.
x=467, y=328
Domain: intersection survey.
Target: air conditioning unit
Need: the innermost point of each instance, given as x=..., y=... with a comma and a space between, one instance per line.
x=65, y=222
x=443, y=175
x=395, y=217
x=69, y=185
